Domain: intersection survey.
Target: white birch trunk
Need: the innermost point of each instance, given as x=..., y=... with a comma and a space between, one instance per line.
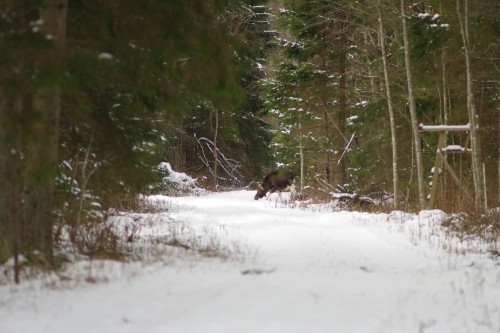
x=395, y=180
x=301, y=152
x=413, y=112
x=480, y=203
x=215, y=147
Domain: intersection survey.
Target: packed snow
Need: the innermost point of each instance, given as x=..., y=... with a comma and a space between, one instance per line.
x=222, y=262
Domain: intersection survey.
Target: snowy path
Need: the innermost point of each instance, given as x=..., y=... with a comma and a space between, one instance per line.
x=308, y=272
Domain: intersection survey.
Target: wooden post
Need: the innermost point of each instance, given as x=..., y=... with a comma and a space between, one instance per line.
x=456, y=178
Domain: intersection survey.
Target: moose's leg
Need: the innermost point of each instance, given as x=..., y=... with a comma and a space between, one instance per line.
x=293, y=192
x=281, y=198
x=268, y=195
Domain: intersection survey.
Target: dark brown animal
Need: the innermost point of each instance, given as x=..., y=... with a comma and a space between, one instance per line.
x=276, y=181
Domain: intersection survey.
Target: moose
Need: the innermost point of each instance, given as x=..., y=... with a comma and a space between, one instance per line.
x=276, y=181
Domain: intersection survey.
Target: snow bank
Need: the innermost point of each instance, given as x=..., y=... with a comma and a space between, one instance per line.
x=178, y=181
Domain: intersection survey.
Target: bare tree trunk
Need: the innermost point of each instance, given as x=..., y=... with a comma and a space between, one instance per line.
x=301, y=153
x=373, y=88
x=41, y=152
x=480, y=202
x=340, y=175
x=10, y=182
x=11, y=151
x=395, y=180
x=445, y=88
x=215, y=147
x=413, y=112
x=445, y=104
x=327, y=141
x=445, y=82
x=326, y=119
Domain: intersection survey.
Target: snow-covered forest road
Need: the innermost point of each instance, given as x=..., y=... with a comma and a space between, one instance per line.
x=283, y=270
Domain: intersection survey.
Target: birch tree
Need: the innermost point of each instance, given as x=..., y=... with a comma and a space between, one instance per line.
x=216, y=162
x=413, y=111
x=392, y=121
x=477, y=171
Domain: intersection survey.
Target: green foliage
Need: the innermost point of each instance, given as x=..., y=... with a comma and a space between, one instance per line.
x=367, y=156
x=427, y=32
x=242, y=135
x=131, y=78
x=130, y=69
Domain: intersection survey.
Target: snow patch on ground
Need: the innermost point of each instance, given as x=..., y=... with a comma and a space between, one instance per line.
x=278, y=269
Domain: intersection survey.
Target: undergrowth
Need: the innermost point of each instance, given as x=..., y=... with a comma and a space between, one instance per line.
x=485, y=227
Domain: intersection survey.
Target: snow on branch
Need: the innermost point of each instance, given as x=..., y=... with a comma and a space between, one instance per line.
x=455, y=148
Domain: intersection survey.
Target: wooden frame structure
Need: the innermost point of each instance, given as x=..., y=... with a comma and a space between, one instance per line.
x=441, y=160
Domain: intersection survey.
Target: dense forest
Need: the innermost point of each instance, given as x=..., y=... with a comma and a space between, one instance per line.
x=94, y=95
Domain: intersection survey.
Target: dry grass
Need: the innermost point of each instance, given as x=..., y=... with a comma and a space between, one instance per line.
x=470, y=226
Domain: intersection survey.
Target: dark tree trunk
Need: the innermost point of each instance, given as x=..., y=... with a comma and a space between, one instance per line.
x=10, y=150
x=41, y=152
